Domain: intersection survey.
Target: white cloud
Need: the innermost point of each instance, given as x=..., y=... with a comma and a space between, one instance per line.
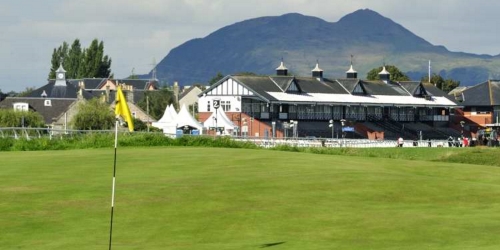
x=134, y=32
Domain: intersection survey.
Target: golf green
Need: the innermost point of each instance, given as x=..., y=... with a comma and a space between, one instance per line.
x=220, y=198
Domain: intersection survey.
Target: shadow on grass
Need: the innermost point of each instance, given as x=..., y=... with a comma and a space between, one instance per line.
x=271, y=244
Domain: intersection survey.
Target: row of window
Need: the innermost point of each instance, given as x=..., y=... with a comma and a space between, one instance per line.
x=225, y=105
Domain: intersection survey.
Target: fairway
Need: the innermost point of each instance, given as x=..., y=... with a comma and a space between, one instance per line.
x=219, y=198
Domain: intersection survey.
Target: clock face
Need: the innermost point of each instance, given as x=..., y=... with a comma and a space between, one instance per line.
x=60, y=75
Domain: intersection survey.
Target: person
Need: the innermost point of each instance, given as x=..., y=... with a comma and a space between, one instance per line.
x=400, y=142
x=429, y=143
x=466, y=142
x=450, y=141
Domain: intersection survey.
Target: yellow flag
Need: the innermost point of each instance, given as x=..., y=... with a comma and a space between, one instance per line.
x=121, y=109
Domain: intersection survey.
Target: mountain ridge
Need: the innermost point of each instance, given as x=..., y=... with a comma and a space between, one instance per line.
x=257, y=45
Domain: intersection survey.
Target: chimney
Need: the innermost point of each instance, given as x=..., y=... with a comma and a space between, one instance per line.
x=317, y=72
x=107, y=93
x=351, y=73
x=130, y=94
x=384, y=75
x=282, y=70
x=176, y=93
x=79, y=94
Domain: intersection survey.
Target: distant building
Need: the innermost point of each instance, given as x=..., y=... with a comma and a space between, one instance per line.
x=189, y=96
x=277, y=105
x=57, y=101
x=480, y=104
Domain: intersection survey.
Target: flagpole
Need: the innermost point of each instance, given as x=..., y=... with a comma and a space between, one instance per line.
x=113, y=186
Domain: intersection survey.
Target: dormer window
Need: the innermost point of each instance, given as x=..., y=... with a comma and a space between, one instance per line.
x=420, y=91
x=21, y=106
x=358, y=90
x=47, y=103
x=293, y=87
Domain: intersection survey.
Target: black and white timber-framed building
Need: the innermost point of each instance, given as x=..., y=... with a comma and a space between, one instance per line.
x=282, y=97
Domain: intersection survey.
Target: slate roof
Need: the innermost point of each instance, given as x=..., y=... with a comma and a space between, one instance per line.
x=260, y=84
x=138, y=95
x=314, y=90
x=55, y=110
x=138, y=84
x=94, y=83
x=349, y=84
x=283, y=82
x=410, y=86
x=315, y=85
x=483, y=94
x=51, y=91
x=382, y=88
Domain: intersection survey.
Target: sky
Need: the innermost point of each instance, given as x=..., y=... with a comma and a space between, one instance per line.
x=138, y=33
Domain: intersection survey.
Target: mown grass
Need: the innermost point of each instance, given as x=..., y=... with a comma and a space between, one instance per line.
x=226, y=198
x=475, y=155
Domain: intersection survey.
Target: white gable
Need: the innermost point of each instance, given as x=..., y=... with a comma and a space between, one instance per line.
x=230, y=87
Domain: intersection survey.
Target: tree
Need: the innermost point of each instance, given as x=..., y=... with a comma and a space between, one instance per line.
x=139, y=125
x=396, y=74
x=158, y=101
x=93, y=115
x=58, y=56
x=13, y=118
x=445, y=85
x=216, y=78
x=26, y=92
x=73, y=62
x=81, y=62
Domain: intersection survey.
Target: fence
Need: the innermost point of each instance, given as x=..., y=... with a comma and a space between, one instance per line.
x=32, y=133
x=339, y=143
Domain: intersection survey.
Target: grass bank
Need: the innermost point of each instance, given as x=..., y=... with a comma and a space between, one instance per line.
x=476, y=155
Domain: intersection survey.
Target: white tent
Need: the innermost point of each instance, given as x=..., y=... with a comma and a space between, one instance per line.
x=222, y=121
x=185, y=119
x=168, y=121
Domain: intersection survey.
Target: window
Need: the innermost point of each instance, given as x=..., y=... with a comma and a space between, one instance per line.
x=47, y=103
x=293, y=88
x=208, y=106
x=226, y=105
x=20, y=106
x=358, y=90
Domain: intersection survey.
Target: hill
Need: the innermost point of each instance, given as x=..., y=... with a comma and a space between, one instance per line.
x=257, y=45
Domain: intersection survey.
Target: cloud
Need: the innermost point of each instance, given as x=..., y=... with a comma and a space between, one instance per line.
x=136, y=32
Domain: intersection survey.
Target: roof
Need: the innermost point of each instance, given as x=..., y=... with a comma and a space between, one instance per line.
x=351, y=70
x=94, y=83
x=56, y=109
x=185, y=119
x=185, y=92
x=317, y=69
x=138, y=84
x=219, y=117
x=384, y=72
x=281, y=67
x=483, y=94
x=52, y=91
x=315, y=85
x=382, y=88
x=260, y=84
x=339, y=91
x=410, y=86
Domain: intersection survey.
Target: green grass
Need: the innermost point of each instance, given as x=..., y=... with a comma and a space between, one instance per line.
x=222, y=198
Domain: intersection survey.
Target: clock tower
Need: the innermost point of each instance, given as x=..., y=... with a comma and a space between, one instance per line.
x=60, y=76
